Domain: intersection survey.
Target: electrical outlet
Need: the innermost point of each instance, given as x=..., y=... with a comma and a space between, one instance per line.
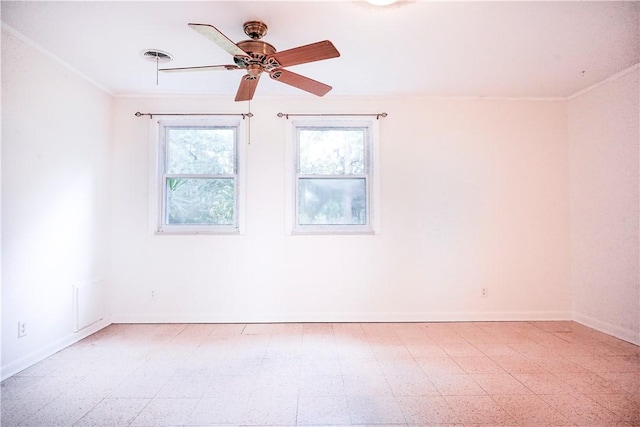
x=153, y=294
x=22, y=329
x=485, y=292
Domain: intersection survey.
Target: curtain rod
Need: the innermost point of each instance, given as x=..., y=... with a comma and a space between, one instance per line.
x=287, y=115
x=244, y=115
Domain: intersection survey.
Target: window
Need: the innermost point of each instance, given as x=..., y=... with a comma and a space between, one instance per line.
x=198, y=172
x=333, y=179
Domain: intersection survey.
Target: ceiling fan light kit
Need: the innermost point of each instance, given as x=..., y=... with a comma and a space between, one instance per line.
x=256, y=57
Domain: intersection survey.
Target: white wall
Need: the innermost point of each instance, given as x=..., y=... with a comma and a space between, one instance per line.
x=474, y=194
x=604, y=136
x=55, y=209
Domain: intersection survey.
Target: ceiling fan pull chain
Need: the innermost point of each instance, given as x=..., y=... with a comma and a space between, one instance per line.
x=249, y=123
x=157, y=70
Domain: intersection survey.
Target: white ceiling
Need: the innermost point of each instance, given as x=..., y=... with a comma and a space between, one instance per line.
x=422, y=48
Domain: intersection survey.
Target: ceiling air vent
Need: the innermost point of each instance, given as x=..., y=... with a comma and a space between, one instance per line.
x=157, y=55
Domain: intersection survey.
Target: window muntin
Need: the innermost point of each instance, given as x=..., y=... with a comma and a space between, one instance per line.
x=333, y=178
x=199, y=178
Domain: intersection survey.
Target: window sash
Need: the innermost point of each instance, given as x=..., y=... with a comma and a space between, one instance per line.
x=299, y=203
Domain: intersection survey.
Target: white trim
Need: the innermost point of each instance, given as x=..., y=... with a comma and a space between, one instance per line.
x=52, y=348
x=605, y=81
x=226, y=97
x=290, y=173
x=17, y=34
x=339, y=317
x=376, y=204
x=617, y=331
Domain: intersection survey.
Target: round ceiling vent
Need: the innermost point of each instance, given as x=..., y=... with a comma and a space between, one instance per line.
x=157, y=55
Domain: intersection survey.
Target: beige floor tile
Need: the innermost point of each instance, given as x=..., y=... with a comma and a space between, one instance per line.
x=580, y=409
x=414, y=385
x=322, y=386
x=496, y=349
x=401, y=367
x=457, y=385
x=426, y=350
x=191, y=386
x=360, y=367
x=545, y=384
x=222, y=410
x=630, y=383
x=478, y=410
x=374, y=385
x=231, y=385
x=277, y=410
x=461, y=349
x=374, y=410
x=18, y=387
x=587, y=383
x=15, y=411
x=530, y=410
x=143, y=387
x=61, y=412
x=95, y=386
x=609, y=364
x=625, y=407
x=558, y=365
x=319, y=366
x=52, y=387
x=500, y=384
x=166, y=412
x=319, y=411
x=478, y=365
x=435, y=366
x=278, y=387
x=113, y=412
x=426, y=410
x=518, y=365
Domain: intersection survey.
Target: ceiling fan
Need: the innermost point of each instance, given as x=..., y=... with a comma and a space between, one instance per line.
x=256, y=56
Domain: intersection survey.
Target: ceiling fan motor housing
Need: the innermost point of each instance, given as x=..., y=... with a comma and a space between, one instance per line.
x=256, y=49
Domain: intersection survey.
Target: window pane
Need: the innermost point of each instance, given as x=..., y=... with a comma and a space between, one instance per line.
x=200, y=201
x=332, y=151
x=201, y=150
x=332, y=201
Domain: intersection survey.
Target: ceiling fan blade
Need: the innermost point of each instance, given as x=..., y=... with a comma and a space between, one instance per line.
x=213, y=34
x=307, y=53
x=202, y=68
x=301, y=82
x=247, y=87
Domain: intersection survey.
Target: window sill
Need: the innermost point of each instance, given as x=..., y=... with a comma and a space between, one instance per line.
x=332, y=232
x=191, y=232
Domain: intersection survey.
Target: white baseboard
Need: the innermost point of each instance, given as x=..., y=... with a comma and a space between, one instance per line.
x=340, y=317
x=52, y=348
x=625, y=334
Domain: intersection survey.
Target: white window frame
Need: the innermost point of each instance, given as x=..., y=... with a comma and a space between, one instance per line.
x=157, y=190
x=372, y=177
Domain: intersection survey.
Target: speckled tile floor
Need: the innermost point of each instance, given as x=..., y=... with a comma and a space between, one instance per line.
x=428, y=374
